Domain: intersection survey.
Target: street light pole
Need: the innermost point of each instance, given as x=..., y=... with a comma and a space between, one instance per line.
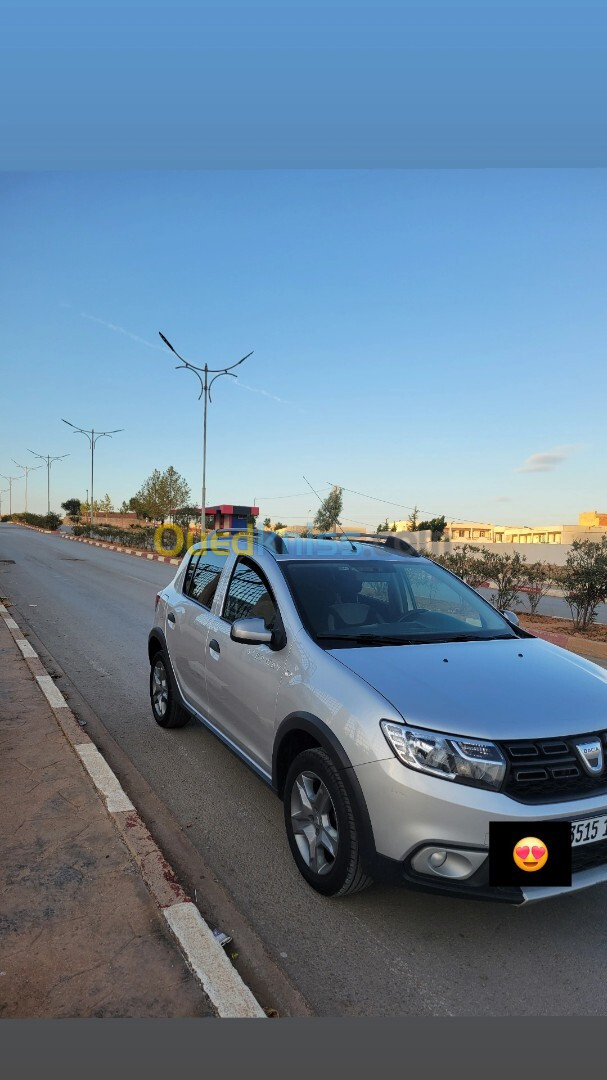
x=205, y=392
x=49, y=461
x=27, y=470
x=92, y=437
x=10, y=489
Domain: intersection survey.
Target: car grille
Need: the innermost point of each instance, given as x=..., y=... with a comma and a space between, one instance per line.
x=585, y=856
x=549, y=770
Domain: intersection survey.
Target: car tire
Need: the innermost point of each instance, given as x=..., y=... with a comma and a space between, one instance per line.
x=321, y=825
x=166, y=709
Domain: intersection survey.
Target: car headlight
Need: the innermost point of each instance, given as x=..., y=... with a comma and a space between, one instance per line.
x=470, y=761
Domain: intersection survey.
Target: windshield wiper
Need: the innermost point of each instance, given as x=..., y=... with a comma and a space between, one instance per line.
x=366, y=639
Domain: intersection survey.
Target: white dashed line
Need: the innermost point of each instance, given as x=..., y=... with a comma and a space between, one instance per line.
x=104, y=779
x=52, y=694
x=210, y=964
x=26, y=649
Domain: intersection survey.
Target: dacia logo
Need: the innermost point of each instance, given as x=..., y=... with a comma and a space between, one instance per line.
x=590, y=753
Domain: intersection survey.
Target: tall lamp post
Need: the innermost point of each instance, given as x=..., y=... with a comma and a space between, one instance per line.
x=10, y=489
x=202, y=374
x=49, y=461
x=92, y=437
x=27, y=470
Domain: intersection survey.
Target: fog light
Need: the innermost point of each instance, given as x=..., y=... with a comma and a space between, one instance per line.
x=448, y=862
x=437, y=859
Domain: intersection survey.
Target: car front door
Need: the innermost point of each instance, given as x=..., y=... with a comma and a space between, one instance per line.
x=243, y=680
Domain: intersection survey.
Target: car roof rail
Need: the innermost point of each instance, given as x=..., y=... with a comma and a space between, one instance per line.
x=270, y=539
x=393, y=543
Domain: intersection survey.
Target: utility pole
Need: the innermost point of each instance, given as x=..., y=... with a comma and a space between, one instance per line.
x=49, y=461
x=27, y=470
x=205, y=391
x=92, y=437
x=10, y=489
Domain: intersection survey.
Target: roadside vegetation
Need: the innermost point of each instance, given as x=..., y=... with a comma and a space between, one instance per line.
x=41, y=521
x=583, y=579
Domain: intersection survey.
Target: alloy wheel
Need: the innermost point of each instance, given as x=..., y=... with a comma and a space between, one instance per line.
x=314, y=823
x=160, y=688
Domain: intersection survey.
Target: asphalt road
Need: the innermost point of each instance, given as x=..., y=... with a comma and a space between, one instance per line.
x=384, y=952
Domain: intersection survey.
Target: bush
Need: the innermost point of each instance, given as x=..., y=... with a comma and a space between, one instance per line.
x=585, y=580
x=539, y=577
x=507, y=572
x=41, y=521
x=466, y=561
x=133, y=537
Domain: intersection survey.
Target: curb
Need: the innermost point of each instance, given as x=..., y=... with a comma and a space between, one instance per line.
x=200, y=948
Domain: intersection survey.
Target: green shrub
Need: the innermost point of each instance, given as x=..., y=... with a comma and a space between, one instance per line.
x=586, y=580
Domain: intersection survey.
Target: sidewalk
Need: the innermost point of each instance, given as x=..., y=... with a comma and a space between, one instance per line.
x=80, y=934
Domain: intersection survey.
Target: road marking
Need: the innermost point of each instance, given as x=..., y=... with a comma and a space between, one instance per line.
x=2, y=608
x=206, y=957
x=12, y=625
x=52, y=694
x=26, y=649
x=104, y=779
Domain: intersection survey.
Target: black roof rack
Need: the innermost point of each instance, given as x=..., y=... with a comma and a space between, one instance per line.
x=269, y=539
x=394, y=543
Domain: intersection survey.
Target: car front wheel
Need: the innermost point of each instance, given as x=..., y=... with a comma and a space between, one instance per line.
x=321, y=826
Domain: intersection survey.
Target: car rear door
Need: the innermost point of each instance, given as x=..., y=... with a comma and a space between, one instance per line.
x=188, y=624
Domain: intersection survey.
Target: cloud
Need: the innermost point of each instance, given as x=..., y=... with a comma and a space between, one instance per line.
x=264, y=393
x=120, y=330
x=547, y=461
x=503, y=498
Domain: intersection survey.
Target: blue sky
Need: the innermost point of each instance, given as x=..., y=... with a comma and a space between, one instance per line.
x=419, y=336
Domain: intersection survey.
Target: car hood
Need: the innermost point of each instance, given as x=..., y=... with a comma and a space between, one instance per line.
x=520, y=688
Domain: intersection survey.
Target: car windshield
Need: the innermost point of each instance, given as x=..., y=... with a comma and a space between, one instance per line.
x=366, y=601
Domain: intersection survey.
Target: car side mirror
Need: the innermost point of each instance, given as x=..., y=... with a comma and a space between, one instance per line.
x=511, y=616
x=251, y=632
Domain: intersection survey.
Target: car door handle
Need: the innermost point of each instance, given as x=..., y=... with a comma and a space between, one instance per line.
x=214, y=645
x=170, y=617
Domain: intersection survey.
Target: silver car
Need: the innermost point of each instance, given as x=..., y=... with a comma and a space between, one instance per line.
x=394, y=711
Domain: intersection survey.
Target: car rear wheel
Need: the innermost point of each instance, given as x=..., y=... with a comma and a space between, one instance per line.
x=321, y=826
x=165, y=706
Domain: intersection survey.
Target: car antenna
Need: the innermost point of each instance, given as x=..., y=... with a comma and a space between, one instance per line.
x=337, y=522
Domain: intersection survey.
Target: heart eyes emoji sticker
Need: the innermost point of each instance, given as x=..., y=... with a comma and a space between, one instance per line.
x=530, y=853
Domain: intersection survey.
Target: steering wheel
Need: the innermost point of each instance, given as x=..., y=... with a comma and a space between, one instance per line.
x=412, y=614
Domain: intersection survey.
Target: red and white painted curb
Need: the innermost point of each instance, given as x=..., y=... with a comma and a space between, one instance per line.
x=124, y=550
x=137, y=552
x=202, y=951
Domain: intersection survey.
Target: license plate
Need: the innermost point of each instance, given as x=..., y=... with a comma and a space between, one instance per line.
x=589, y=830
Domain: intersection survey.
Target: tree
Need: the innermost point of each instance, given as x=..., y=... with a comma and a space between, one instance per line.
x=383, y=526
x=160, y=494
x=586, y=580
x=73, y=509
x=267, y=523
x=466, y=561
x=328, y=515
x=278, y=525
x=435, y=525
x=124, y=509
x=105, y=505
x=413, y=520
x=539, y=578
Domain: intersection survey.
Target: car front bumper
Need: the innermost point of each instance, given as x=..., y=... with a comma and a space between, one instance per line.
x=411, y=812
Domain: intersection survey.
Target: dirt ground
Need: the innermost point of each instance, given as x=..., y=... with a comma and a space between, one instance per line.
x=534, y=623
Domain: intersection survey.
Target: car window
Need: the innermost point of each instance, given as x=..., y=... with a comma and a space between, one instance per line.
x=433, y=593
x=187, y=581
x=205, y=576
x=248, y=596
